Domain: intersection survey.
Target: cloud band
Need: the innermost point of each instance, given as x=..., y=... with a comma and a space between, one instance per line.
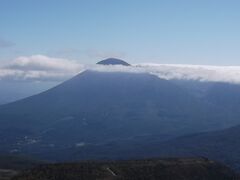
x=43, y=68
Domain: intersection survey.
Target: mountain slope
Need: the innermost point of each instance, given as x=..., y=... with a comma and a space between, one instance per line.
x=221, y=145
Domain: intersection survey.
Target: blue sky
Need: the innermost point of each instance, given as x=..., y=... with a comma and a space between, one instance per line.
x=159, y=31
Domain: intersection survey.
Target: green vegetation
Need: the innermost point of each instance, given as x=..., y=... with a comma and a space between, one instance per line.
x=159, y=169
x=7, y=174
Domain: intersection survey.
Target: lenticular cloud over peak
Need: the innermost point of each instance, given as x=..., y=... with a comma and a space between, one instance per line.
x=44, y=68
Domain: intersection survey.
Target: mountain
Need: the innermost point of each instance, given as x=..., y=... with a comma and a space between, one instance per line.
x=113, y=61
x=95, y=108
x=151, y=169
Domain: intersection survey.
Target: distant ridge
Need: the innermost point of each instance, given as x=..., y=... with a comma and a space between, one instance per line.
x=113, y=61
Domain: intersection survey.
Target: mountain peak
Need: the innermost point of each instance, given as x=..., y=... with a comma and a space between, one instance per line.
x=113, y=61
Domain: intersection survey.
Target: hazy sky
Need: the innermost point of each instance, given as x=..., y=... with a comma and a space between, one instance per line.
x=158, y=31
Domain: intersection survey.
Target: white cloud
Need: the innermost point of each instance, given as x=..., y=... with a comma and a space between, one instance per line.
x=40, y=68
x=43, y=63
x=43, y=68
x=230, y=74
